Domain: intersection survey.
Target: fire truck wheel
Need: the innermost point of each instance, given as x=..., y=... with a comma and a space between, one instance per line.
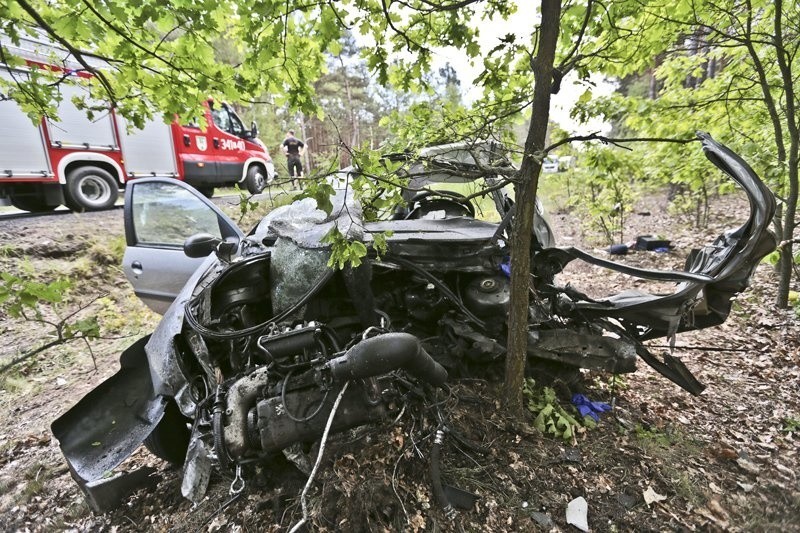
x=208, y=192
x=90, y=189
x=31, y=203
x=256, y=179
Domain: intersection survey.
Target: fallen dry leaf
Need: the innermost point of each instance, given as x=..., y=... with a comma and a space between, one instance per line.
x=717, y=509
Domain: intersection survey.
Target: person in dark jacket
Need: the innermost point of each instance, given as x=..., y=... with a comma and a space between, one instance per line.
x=294, y=148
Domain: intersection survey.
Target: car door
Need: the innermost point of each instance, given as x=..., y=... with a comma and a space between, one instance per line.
x=160, y=214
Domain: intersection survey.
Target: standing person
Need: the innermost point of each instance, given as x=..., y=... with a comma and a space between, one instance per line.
x=294, y=148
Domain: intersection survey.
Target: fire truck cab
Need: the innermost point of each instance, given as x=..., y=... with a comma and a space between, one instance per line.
x=82, y=163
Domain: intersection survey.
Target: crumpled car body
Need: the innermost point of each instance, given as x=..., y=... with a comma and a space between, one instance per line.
x=255, y=349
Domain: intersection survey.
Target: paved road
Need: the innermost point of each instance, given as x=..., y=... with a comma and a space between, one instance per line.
x=10, y=212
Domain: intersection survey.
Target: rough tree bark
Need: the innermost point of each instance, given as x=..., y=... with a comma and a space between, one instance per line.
x=785, y=66
x=526, y=187
x=786, y=212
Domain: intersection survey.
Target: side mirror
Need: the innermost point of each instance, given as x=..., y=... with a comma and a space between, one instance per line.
x=203, y=244
x=253, y=130
x=200, y=245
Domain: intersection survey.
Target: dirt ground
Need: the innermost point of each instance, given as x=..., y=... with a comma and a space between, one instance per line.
x=662, y=459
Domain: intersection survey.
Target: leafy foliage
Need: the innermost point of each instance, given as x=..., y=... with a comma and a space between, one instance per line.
x=727, y=69
x=35, y=302
x=550, y=417
x=343, y=251
x=141, y=52
x=18, y=295
x=791, y=424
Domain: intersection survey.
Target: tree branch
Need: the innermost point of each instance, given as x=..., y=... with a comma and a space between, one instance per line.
x=617, y=141
x=77, y=54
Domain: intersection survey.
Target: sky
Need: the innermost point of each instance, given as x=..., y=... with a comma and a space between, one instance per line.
x=521, y=24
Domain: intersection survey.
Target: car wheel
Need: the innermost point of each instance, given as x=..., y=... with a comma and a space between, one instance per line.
x=256, y=179
x=170, y=439
x=208, y=192
x=90, y=189
x=34, y=203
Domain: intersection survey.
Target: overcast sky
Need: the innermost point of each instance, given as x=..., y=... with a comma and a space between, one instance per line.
x=522, y=24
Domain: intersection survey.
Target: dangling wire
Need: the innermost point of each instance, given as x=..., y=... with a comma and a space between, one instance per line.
x=313, y=474
x=286, y=407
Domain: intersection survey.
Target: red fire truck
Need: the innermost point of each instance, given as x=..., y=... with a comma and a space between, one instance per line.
x=82, y=163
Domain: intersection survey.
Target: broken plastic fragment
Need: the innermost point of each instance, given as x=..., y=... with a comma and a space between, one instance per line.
x=577, y=513
x=543, y=520
x=196, y=471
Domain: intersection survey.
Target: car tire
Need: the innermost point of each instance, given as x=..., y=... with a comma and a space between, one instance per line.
x=33, y=203
x=170, y=439
x=90, y=189
x=256, y=179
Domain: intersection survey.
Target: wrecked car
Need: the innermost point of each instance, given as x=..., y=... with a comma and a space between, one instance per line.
x=265, y=345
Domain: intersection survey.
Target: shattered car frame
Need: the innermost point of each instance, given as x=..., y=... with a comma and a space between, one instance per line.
x=253, y=352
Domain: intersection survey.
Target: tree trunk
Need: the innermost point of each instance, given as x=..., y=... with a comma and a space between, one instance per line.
x=785, y=65
x=786, y=264
x=526, y=207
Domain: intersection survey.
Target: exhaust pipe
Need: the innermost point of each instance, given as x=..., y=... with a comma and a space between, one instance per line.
x=384, y=353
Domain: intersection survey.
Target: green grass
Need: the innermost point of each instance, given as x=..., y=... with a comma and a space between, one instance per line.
x=673, y=448
x=791, y=424
x=34, y=476
x=15, y=384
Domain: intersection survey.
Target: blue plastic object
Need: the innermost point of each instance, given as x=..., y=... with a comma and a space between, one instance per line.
x=505, y=267
x=587, y=407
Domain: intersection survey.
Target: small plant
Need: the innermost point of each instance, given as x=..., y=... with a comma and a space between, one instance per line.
x=246, y=203
x=615, y=382
x=652, y=436
x=15, y=384
x=551, y=417
x=108, y=251
x=27, y=300
x=794, y=301
x=34, y=478
x=343, y=251
x=791, y=424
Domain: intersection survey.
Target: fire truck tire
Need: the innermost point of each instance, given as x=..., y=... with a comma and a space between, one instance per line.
x=256, y=179
x=208, y=192
x=31, y=203
x=90, y=189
